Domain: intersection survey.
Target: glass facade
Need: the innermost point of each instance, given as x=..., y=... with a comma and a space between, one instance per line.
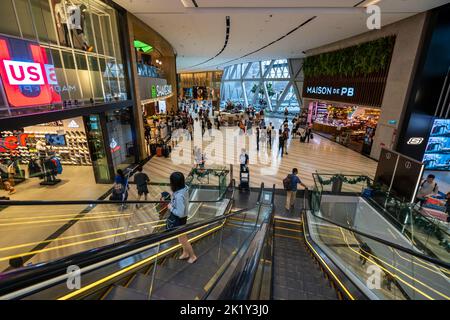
x=264, y=84
x=57, y=54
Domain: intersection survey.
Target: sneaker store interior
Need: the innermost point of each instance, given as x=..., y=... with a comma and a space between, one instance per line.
x=51, y=156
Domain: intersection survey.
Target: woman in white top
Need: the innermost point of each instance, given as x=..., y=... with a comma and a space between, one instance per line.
x=179, y=210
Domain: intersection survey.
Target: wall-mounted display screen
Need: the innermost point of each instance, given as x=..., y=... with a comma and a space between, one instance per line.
x=437, y=153
x=55, y=139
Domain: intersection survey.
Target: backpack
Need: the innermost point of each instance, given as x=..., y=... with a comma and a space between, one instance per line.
x=287, y=182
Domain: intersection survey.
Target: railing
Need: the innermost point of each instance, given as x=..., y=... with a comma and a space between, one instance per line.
x=381, y=269
x=62, y=228
x=118, y=258
x=429, y=235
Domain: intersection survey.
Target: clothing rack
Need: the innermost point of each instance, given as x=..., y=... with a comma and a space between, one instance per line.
x=49, y=174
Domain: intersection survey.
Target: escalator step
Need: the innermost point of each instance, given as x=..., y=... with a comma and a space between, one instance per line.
x=170, y=291
x=122, y=293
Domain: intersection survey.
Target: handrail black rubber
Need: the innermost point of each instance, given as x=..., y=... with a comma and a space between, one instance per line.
x=31, y=275
x=387, y=243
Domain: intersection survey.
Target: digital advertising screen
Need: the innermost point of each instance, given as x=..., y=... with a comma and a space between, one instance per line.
x=437, y=153
x=55, y=139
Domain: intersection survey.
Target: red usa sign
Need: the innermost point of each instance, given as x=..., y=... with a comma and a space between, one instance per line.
x=27, y=83
x=29, y=73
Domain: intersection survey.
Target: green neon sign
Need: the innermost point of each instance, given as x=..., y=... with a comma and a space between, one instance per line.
x=142, y=46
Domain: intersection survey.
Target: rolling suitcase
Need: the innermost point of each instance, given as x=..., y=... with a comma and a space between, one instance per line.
x=244, y=177
x=159, y=151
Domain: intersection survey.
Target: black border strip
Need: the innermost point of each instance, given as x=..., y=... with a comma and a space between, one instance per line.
x=270, y=43
x=227, y=37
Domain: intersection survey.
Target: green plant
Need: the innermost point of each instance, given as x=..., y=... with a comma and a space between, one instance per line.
x=360, y=60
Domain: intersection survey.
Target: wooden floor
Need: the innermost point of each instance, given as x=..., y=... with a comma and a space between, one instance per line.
x=319, y=155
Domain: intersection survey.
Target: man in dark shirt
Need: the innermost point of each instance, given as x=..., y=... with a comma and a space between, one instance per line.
x=141, y=179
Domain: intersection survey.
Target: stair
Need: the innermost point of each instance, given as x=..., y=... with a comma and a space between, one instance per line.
x=296, y=275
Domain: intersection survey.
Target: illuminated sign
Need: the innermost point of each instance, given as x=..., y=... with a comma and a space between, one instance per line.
x=114, y=145
x=163, y=90
x=73, y=124
x=415, y=141
x=28, y=79
x=342, y=91
x=13, y=142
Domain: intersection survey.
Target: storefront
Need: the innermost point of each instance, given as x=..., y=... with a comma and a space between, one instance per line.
x=344, y=101
x=201, y=86
x=349, y=125
x=64, y=99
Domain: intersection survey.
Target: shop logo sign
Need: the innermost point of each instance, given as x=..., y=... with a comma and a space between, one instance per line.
x=374, y=20
x=13, y=142
x=344, y=91
x=415, y=141
x=73, y=124
x=114, y=145
x=164, y=90
x=28, y=83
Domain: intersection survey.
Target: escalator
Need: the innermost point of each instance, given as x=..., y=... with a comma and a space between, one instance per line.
x=244, y=254
x=296, y=275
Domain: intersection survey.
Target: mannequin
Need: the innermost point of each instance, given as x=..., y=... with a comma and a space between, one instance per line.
x=71, y=17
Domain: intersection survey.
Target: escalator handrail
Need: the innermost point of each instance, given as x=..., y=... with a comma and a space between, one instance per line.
x=416, y=254
x=96, y=202
x=32, y=275
x=240, y=286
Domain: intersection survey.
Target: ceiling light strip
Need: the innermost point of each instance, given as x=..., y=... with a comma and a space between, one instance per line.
x=227, y=37
x=269, y=44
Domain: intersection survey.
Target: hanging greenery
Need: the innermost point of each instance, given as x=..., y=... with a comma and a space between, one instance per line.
x=340, y=177
x=363, y=59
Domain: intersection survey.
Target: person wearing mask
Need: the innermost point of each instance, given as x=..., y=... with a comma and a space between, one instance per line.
x=243, y=160
x=141, y=180
x=281, y=142
x=178, y=209
x=291, y=188
x=427, y=189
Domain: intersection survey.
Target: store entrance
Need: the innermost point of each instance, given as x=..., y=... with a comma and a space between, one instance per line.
x=45, y=155
x=349, y=125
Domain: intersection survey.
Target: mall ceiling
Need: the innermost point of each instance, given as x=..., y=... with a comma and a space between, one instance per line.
x=260, y=29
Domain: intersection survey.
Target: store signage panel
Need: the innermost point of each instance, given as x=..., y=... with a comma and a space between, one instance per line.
x=343, y=91
x=13, y=142
x=358, y=91
x=27, y=75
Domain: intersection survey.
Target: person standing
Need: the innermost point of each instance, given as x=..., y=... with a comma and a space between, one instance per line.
x=269, y=134
x=290, y=184
x=120, y=189
x=178, y=208
x=308, y=132
x=141, y=180
x=427, y=189
x=286, y=137
x=243, y=160
x=281, y=142
x=257, y=138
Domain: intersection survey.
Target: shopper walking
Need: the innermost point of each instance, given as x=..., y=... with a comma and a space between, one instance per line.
x=257, y=138
x=243, y=160
x=269, y=134
x=281, y=142
x=178, y=208
x=308, y=132
x=141, y=180
x=290, y=185
x=120, y=188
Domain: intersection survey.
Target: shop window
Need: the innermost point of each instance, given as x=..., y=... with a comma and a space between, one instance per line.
x=8, y=21
x=121, y=138
x=43, y=21
x=25, y=19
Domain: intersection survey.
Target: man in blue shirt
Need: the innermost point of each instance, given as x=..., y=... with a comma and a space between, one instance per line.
x=292, y=193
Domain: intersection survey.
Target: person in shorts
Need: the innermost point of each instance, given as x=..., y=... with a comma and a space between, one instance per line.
x=141, y=179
